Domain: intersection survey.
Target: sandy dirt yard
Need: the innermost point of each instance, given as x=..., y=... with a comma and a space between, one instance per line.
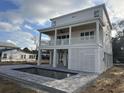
x=111, y=81
x=7, y=86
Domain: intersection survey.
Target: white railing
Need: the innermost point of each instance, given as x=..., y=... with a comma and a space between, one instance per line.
x=62, y=42
x=79, y=40
x=82, y=40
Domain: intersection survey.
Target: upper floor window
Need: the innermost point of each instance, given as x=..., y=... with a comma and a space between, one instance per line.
x=87, y=35
x=96, y=13
x=53, y=23
x=63, y=37
x=92, y=33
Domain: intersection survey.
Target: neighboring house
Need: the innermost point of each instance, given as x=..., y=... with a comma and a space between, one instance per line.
x=80, y=41
x=5, y=46
x=14, y=55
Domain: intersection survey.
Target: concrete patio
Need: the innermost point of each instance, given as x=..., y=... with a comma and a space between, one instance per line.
x=67, y=85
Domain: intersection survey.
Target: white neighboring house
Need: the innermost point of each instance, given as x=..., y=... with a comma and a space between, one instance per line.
x=80, y=41
x=6, y=45
x=15, y=55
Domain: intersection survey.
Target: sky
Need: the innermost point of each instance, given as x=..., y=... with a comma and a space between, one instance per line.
x=20, y=19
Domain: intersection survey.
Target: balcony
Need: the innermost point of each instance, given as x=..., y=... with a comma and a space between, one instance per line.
x=76, y=40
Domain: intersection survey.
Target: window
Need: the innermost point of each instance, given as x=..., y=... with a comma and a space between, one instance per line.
x=22, y=56
x=67, y=36
x=92, y=33
x=4, y=55
x=30, y=56
x=87, y=35
x=53, y=23
x=33, y=56
x=82, y=34
x=63, y=37
x=58, y=37
x=96, y=13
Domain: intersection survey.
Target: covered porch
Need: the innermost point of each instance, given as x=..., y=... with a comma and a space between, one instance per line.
x=84, y=33
x=89, y=32
x=55, y=58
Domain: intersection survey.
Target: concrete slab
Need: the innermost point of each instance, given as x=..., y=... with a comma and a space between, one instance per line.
x=66, y=85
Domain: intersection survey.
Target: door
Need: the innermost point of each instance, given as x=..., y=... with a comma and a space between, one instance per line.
x=62, y=57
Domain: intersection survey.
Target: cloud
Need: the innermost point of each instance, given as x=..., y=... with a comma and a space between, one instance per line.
x=117, y=8
x=10, y=41
x=22, y=39
x=33, y=14
x=41, y=10
x=28, y=27
x=4, y=26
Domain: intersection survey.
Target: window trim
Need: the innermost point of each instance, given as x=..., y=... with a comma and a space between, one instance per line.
x=83, y=37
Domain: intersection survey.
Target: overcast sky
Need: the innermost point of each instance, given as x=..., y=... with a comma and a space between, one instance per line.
x=19, y=19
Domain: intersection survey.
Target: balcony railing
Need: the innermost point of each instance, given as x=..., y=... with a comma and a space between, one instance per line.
x=75, y=40
x=62, y=41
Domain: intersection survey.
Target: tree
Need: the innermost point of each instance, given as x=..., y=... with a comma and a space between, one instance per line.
x=26, y=50
x=118, y=42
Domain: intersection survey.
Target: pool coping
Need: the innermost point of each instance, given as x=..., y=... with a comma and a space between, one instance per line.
x=66, y=85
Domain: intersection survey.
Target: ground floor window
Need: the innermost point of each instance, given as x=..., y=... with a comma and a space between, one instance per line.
x=4, y=55
x=31, y=56
x=23, y=56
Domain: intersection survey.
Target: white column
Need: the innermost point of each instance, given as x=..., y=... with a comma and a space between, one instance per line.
x=69, y=35
x=98, y=62
x=50, y=60
x=97, y=32
x=54, y=58
x=39, y=50
x=69, y=59
x=55, y=36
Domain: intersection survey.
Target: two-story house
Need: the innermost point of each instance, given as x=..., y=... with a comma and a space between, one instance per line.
x=80, y=41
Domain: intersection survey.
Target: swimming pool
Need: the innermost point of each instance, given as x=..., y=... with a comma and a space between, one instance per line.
x=56, y=74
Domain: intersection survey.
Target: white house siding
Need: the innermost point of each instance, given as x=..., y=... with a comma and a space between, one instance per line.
x=83, y=59
x=15, y=55
x=82, y=56
x=107, y=44
x=84, y=15
x=76, y=38
x=89, y=59
x=105, y=60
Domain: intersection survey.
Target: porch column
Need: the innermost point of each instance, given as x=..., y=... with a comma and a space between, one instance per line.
x=55, y=36
x=69, y=35
x=98, y=62
x=97, y=32
x=39, y=50
x=54, y=58
x=50, y=60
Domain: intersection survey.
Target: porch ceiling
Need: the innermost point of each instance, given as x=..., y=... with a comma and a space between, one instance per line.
x=84, y=27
